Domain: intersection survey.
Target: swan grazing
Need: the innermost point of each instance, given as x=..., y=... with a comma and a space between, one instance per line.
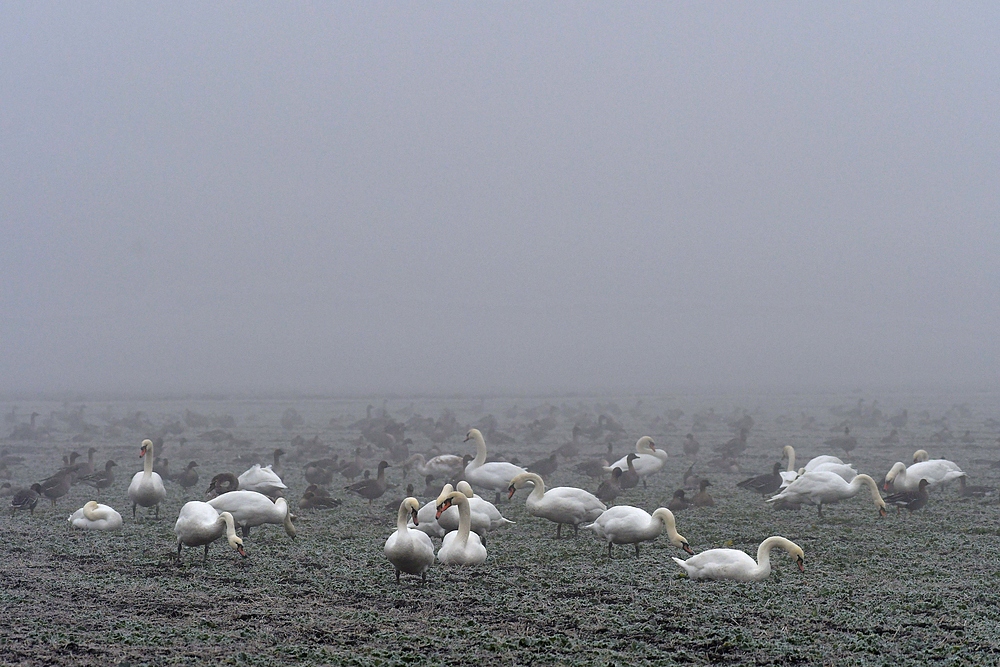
x=409, y=551
x=624, y=524
x=443, y=465
x=820, y=487
x=495, y=475
x=200, y=523
x=94, y=516
x=460, y=547
x=651, y=460
x=250, y=508
x=146, y=488
x=563, y=504
x=737, y=565
x=262, y=480
x=936, y=471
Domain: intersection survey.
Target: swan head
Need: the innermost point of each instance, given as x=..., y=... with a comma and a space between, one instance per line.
x=646, y=442
x=518, y=482
x=413, y=505
x=676, y=539
x=465, y=488
x=473, y=434
x=920, y=455
x=146, y=445
x=445, y=492
x=896, y=468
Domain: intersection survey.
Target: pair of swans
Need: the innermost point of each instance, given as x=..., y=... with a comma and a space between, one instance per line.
x=624, y=524
x=818, y=463
x=737, y=565
x=483, y=515
x=251, y=508
x=495, y=475
x=201, y=524
x=462, y=546
x=563, y=504
x=262, y=480
x=409, y=551
x=649, y=459
x=146, y=488
x=822, y=486
x=937, y=472
x=94, y=516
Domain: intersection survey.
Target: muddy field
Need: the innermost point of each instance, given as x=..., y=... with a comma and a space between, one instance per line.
x=921, y=589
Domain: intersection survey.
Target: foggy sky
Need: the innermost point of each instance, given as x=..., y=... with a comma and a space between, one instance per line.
x=439, y=197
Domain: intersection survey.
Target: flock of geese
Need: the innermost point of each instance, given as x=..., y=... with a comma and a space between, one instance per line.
x=462, y=519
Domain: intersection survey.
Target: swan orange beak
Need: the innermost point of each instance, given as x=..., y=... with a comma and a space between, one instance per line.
x=413, y=513
x=881, y=511
x=240, y=551
x=801, y=564
x=510, y=491
x=142, y=452
x=687, y=547
x=442, y=508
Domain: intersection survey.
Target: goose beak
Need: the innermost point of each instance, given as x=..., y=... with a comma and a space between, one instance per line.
x=510, y=491
x=687, y=547
x=801, y=564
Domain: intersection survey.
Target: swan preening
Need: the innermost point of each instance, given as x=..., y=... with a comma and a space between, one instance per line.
x=820, y=487
x=737, y=565
x=146, y=488
x=936, y=471
x=94, y=516
x=409, y=551
x=624, y=524
x=201, y=524
x=563, y=504
x=650, y=460
x=462, y=546
x=495, y=475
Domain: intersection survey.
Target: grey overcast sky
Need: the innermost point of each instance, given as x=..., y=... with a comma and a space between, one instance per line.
x=435, y=197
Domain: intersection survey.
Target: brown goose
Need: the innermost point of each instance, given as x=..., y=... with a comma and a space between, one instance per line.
x=101, y=479
x=678, y=502
x=703, y=498
x=764, y=484
x=544, y=467
x=630, y=477
x=610, y=488
x=371, y=488
x=56, y=487
x=189, y=476
x=224, y=482
x=26, y=499
x=909, y=500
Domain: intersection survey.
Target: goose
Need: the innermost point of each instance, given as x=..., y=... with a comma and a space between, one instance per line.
x=544, y=467
x=630, y=477
x=372, y=488
x=462, y=546
x=443, y=465
x=200, y=523
x=678, y=502
x=352, y=469
x=94, y=516
x=737, y=565
x=703, y=498
x=691, y=446
x=820, y=487
x=276, y=465
x=162, y=467
x=409, y=551
x=624, y=524
x=224, y=482
x=651, y=460
x=146, y=488
x=320, y=472
x=763, y=484
x=86, y=468
x=936, y=471
x=251, y=508
x=101, y=479
x=262, y=480
x=563, y=504
x=57, y=486
x=610, y=488
x=596, y=467
x=910, y=500
x=495, y=475
x=430, y=488
x=26, y=499
x=973, y=491
x=189, y=476
x=311, y=500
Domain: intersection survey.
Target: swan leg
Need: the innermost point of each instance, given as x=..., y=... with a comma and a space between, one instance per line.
x=644, y=482
x=205, y=557
x=180, y=545
x=576, y=530
x=636, y=549
x=558, y=530
x=821, y=510
x=397, y=575
x=157, y=511
x=609, y=550
x=133, y=511
x=245, y=530
x=497, y=501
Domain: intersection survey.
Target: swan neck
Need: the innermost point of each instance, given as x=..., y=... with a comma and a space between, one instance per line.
x=464, y=517
x=791, y=458
x=286, y=521
x=91, y=513
x=147, y=464
x=230, y=526
x=480, y=452
x=538, y=490
x=402, y=518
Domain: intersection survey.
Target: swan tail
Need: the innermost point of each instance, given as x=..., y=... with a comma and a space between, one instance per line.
x=684, y=566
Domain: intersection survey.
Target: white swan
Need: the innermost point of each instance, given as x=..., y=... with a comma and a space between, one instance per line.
x=624, y=524
x=250, y=508
x=935, y=471
x=462, y=546
x=818, y=487
x=262, y=480
x=483, y=515
x=146, y=488
x=443, y=465
x=479, y=505
x=426, y=519
x=651, y=460
x=844, y=470
x=788, y=475
x=563, y=504
x=409, y=551
x=920, y=456
x=495, y=475
x=737, y=565
x=94, y=516
x=200, y=523
x=819, y=460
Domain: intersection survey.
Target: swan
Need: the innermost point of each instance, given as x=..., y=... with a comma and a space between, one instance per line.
x=844, y=470
x=820, y=487
x=819, y=460
x=94, y=516
x=624, y=524
x=409, y=551
x=443, y=465
x=790, y=473
x=936, y=471
x=146, y=488
x=483, y=515
x=200, y=523
x=920, y=456
x=426, y=519
x=462, y=546
x=737, y=565
x=262, y=480
x=563, y=504
x=495, y=475
x=250, y=508
x=650, y=460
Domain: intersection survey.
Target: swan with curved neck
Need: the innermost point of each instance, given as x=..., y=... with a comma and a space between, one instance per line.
x=563, y=504
x=146, y=488
x=737, y=565
x=920, y=456
x=936, y=471
x=818, y=487
x=460, y=547
x=201, y=524
x=94, y=516
x=495, y=475
x=483, y=515
x=250, y=508
x=624, y=524
x=409, y=551
x=790, y=473
x=262, y=480
x=650, y=460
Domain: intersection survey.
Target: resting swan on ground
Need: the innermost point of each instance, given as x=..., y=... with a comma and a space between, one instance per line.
x=820, y=487
x=146, y=488
x=495, y=475
x=94, y=516
x=200, y=523
x=563, y=504
x=650, y=460
x=462, y=546
x=737, y=565
x=624, y=524
x=250, y=508
x=262, y=480
x=936, y=471
x=409, y=551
